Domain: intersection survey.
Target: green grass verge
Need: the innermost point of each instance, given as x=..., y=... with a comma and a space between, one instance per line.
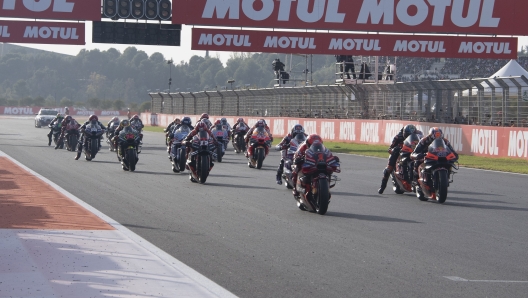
x=512, y=165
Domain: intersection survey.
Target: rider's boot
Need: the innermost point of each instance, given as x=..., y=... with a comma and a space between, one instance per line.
x=78, y=155
x=279, y=178
x=386, y=174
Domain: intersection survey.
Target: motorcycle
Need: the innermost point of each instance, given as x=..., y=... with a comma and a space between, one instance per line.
x=315, y=179
x=92, y=133
x=137, y=126
x=436, y=172
x=402, y=175
x=56, y=135
x=260, y=142
x=128, y=141
x=238, y=139
x=72, y=135
x=178, y=149
x=199, y=161
x=288, y=159
x=222, y=139
x=110, y=134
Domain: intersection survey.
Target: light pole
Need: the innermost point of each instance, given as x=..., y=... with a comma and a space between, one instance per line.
x=169, y=62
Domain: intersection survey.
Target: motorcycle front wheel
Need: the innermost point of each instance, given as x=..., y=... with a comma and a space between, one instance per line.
x=203, y=171
x=219, y=152
x=260, y=157
x=323, y=197
x=442, y=183
x=130, y=157
x=94, y=147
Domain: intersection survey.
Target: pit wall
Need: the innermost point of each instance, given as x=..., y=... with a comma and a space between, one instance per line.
x=485, y=141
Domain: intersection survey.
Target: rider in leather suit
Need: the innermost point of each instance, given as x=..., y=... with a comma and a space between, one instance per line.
x=64, y=125
x=283, y=147
x=81, y=139
x=394, y=150
x=58, y=119
x=421, y=149
x=200, y=126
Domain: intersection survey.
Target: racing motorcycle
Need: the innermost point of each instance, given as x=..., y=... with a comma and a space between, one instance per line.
x=128, y=141
x=178, y=149
x=238, y=138
x=137, y=126
x=222, y=139
x=56, y=134
x=436, y=172
x=110, y=135
x=288, y=159
x=315, y=179
x=92, y=133
x=72, y=135
x=199, y=161
x=402, y=175
x=260, y=142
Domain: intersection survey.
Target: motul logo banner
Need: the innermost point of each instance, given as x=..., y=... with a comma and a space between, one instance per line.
x=89, y=10
x=359, y=44
x=504, y=17
x=42, y=32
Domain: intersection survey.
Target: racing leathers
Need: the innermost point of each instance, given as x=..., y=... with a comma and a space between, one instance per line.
x=80, y=144
x=234, y=129
x=199, y=126
x=283, y=146
x=68, y=124
x=52, y=124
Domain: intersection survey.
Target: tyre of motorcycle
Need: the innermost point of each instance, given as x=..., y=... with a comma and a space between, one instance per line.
x=259, y=155
x=131, y=159
x=322, y=198
x=395, y=185
x=73, y=141
x=241, y=145
x=203, y=168
x=286, y=175
x=219, y=149
x=419, y=192
x=442, y=182
x=181, y=160
x=94, y=147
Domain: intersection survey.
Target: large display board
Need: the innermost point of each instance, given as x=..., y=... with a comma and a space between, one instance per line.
x=490, y=17
x=359, y=44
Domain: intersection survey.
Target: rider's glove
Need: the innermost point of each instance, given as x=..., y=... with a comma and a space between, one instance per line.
x=389, y=150
x=164, y=130
x=420, y=156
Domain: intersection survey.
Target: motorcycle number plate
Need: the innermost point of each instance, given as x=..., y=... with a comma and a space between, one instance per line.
x=204, y=143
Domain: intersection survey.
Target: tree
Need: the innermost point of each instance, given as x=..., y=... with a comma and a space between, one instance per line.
x=65, y=102
x=3, y=101
x=39, y=101
x=118, y=105
x=145, y=106
x=93, y=102
x=21, y=88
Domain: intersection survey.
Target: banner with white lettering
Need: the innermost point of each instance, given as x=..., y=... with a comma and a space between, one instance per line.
x=504, y=17
x=358, y=44
x=42, y=32
x=81, y=10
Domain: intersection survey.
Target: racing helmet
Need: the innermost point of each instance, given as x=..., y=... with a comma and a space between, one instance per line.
x=93, y=117
x=240, y=120
x=186, y=121
x=408, y=130
x=224, y=121
x=68, y=119
x=218, y=122
x=263, y=121
x=177, y=121
x=260, y=123
x=313, y=138
x=204, y=115
x=436, y=133
x=297, y=129
x=116, y=120
x=125, y=123
x=59, y=115
x=135, y=117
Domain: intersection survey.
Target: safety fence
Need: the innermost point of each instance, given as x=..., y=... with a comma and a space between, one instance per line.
x=466, y=139
x=487, y=101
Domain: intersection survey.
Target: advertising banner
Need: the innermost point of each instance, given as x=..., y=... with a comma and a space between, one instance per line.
x=358, y=44
x=81, y=10
x=25, y=111
x=504, y=17
x=42, y=32
x=485, y=141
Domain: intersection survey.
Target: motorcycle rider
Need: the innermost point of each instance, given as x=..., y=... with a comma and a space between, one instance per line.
x=421, y=150
x=64, y=127
x=81, y=129
x=299, y=158
x=136, y=123
x=58, y=119
x=259, y=123
x=227, y=127
x=283, y=147
x=239, y=122
x=171, y=125
x=126, y=128
x=171, y=129
x=200, y=126
x=205, y=118
x=394, y=151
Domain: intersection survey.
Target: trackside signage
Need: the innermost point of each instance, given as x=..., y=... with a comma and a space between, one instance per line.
x=89, y=10
x=359, y=44
x=487, y=141
x=42, y=32
x=20, y=111
x=504, y=17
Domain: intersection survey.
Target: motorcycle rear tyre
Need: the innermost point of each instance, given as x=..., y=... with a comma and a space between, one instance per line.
x=323, y=197
x=219, y=152
x=260, y=157
x=396, y=186
x=441, y=192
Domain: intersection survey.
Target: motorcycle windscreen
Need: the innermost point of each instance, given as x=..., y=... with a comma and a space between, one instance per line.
x=260, y=131
x=439, y=148
x=182, y=132
x=300, y=138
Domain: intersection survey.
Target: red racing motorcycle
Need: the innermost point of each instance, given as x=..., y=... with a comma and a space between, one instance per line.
x=316, y=178
x=259, y=145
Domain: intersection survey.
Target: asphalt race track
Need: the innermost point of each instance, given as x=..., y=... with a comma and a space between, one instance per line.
x=244, y=231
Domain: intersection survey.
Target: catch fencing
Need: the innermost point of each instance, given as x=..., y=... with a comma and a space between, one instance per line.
x=487, y=101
